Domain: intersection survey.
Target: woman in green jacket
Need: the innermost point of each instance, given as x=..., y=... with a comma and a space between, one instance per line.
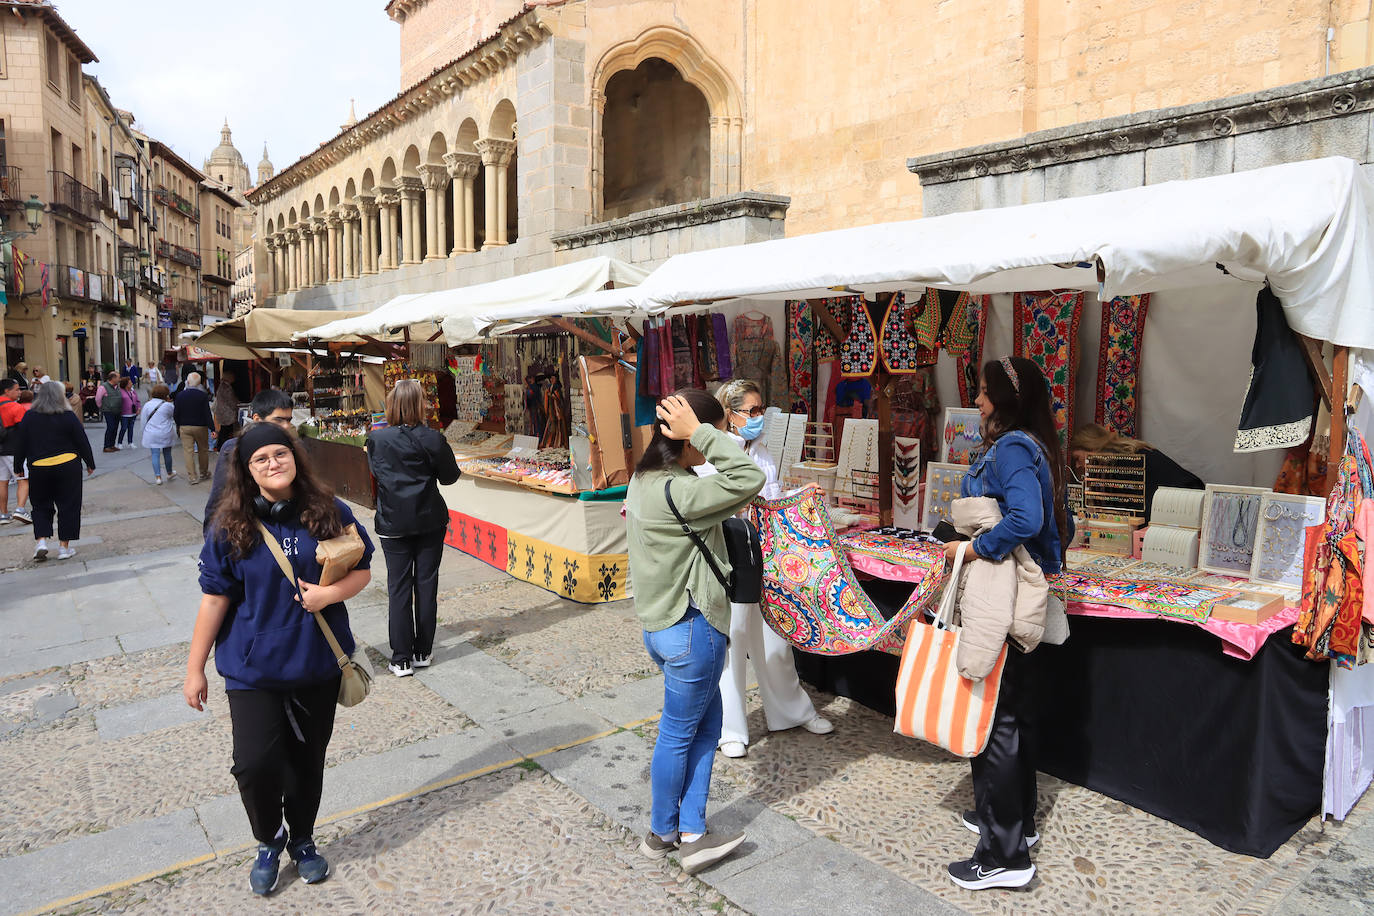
x=684, y=611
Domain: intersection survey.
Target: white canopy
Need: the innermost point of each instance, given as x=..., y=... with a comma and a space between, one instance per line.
x=456, y=305
x=1304, y=226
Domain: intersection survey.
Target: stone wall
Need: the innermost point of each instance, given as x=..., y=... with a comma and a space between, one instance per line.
x=434, y=32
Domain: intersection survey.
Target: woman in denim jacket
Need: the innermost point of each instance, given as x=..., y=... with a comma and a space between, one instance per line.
x=1023, y=469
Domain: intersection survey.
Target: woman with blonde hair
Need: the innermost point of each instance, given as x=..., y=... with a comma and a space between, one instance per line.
x=1160, y=469
x=409, y=461
x=785, y=704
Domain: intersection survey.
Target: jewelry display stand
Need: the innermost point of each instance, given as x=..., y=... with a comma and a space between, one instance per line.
x=1230, y=521
x=1281, y=537
x=942, y=488
x=1177, y=506
x=963, y=435
x=1170, y=545
x=1113, y=502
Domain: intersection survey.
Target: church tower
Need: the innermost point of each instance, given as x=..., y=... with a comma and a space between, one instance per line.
x=265, y=168
x=225, y=164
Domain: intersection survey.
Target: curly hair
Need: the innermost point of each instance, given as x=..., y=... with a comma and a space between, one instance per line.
x=237, y=521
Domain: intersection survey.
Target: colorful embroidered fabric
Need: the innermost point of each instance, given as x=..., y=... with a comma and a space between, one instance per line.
x=897, y=342
x=1118, y=363
x=811, y=597
x=1046, y=333
x=859, y=354
x=969, y=361
x=757, y=356
x=800, y=340
x=827, y=347
x=722, y=339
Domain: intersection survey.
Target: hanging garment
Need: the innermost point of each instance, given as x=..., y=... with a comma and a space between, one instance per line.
x=897, y=342
x=555, y=433
x=694, y=351
x=859, y=354
x=666, y=383
x=801, y=322
x=827, y=347
x=683, y=375
x=647, y=381
x=1046, y=332
x=757, y=356
x=706, y=347
x=967, y=348
x=1118, y=364
x=1278, y=404
x=1303, y=472
x=721, y=334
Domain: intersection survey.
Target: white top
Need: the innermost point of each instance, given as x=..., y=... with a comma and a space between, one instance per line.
x=759, y=452
x=159, y=430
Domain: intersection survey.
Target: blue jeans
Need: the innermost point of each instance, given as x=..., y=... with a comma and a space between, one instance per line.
x=691, y=654
x=126, y=429
x=166, y=459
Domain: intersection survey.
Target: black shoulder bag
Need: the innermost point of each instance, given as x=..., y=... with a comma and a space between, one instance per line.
x=744, y=585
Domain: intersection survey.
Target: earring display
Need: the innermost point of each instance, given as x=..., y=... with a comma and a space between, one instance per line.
x=1170, y=545
x=1230, y=521
x=942, y=488
x=1075, y=498
x=906, y=482
x=858, y=452
x=963, y=435
x=1115, y=484
x=796, y=436
x=1150, y=569
x=1177, y=506
x=1281, y=537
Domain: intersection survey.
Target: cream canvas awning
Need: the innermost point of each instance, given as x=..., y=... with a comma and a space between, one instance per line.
x=251, y=336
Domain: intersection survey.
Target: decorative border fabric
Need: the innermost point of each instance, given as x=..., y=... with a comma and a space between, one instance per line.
x=1280, y=396
x=1046, y=333
x=970, y=361
x=859, y=354
x=801, y=323
x=1118, y=363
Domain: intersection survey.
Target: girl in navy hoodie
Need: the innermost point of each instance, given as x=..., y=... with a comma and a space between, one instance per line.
x=281, y=678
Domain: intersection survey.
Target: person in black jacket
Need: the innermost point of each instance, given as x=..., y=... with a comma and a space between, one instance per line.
x=53, y=444
x=409, y=461
x=191, y=413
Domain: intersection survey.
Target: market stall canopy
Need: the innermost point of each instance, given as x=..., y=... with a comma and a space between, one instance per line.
x=455, y=305
x=1303, y=226
x=250, y=336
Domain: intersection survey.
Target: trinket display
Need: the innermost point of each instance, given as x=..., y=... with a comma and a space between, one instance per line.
x=1177, y=506
x=1281, y=537
x=1171, y=545
x=1115, y=484
x=942, y=488
x=906, y=482
x=963, y=435
x=1230, y=520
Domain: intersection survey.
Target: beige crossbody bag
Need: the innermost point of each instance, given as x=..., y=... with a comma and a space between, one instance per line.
x=356, y=671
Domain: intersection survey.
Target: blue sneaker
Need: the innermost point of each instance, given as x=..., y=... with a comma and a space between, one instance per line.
x=263, y=878
x=312, y=866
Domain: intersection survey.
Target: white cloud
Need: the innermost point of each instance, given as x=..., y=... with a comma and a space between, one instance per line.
x=281, y=71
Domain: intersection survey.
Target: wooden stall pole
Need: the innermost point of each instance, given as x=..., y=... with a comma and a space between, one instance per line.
x=310, y=380
x=583, y=334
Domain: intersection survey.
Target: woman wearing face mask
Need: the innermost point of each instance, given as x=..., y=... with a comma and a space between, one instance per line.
x=785, y=703
x=684, y=612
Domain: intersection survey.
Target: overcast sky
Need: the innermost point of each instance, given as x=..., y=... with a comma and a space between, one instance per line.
x=281, y=71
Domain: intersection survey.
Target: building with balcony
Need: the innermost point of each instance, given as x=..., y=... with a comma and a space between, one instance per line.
x=176, y=258
x=242, y=297
x=219, y=213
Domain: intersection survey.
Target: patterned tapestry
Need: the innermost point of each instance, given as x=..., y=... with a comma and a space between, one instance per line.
x=1045, y=331
x=859, y=354
x=897, y=340
x=801, y=322
x=827, y=347
x=970, y=360
x=1118, y=363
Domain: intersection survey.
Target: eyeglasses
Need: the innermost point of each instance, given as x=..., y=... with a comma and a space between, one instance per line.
x=280, y=456
x=751, y=412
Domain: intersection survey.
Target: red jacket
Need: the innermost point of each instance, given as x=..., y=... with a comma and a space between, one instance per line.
x=11, y=411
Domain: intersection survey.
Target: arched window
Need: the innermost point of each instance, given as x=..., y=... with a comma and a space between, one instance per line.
x=656, y=137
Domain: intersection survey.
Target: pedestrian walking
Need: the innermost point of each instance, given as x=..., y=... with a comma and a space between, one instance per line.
x=111, y=404
x=128, y=399
x=1022, y=468
x=226, y=410
x=684, y=611
x=152, y=376
x=11, y=412
x=409, y=460
x=52, y=447
x=785, y=703
x=193, y=419
x=281, y=678
x=159, y=431
x=72, y=398
x=271, y=405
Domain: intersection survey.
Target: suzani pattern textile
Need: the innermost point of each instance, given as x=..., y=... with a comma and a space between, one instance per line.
x=801, y=323
x=859, y=355
x=1045, y=331
x=1182, y=600
x=1118, y=363
x=811, y=597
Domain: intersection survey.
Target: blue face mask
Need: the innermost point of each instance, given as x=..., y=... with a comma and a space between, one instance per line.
x=752, y=429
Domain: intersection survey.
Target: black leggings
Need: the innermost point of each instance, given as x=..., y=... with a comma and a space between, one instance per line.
x=280, y=738
x=412, y=587
x=56, y=489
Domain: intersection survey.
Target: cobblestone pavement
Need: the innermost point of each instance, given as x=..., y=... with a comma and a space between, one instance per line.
x=512, y=776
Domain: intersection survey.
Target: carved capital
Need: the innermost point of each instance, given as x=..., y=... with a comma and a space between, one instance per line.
x=462, y=165
x=367, y=206
x=409, y=184
x=495, y=152
x=434, y=177
x=388, y=198
x=318, y=226
x=290, y=236
x=334, y=219
x=348, y=213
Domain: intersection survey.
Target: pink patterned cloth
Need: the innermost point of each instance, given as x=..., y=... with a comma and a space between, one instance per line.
x=1239, y=640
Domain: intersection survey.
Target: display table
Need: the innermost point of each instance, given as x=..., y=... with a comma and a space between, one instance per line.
x=344, y=468
x=576, y=548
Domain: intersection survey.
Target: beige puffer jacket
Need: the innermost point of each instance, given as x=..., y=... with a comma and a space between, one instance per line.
x=996, y=598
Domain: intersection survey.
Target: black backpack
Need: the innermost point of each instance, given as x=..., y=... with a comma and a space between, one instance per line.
x=744, y=585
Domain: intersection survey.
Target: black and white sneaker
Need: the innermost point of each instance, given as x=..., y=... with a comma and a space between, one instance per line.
x=401, y=669
x=422, y=661
x=971, y=822
x=972, y=876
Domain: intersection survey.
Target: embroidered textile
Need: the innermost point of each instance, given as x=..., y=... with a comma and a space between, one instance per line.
x=897, y=341
x=827, y=347
x=810, y=595
x=667, y=383
x=722, y=341
x=1046, y=332
x=969, y=362
x=859, y=354
x=756, y=356
x=801, y=322
x=1280, y=398
x=1118, y=363
x=1167, y=599
x=647, y=379
x=684, y=366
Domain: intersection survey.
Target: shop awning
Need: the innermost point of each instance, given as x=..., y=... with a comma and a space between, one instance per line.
x=453, y=307
x=1304, y=226
x=250, y=336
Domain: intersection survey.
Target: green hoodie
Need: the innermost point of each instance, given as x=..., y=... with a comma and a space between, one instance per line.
x=666, y=568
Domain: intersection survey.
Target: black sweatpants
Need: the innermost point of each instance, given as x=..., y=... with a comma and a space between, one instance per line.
x=412, y=587
x=1004, y=774
x=280, y=738
x=57, y=489
x=111, y=426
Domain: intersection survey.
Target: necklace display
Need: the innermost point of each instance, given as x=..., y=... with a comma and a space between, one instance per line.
x=1283, y=524
x=1230, y=522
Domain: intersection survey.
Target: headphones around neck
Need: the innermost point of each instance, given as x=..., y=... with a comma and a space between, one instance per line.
x=280, y=511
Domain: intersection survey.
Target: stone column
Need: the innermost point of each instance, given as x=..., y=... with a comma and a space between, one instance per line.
x=367, y=210
x=411, y=192
x=462, y=167
x=387, y=204
x=496, y=157
x=435, y=180
x=292, y=248
x=333, y=233
x=270, y=243
x=321, y=250
x=307, y=255
x=279, y=263
x=350, y=242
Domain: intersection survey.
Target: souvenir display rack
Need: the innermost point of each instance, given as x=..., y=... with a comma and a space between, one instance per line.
x=1114, y=484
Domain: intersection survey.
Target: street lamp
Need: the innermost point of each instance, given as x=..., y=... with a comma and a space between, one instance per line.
x=33, y=215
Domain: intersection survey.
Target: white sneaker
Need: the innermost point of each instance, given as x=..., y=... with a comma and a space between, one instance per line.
x=40, y=550
x=422, y=661
x=23, y=515
x=159, y=481
x=820, y=725
x=66, y=553
x=733, y=749
x=400, y=669
x=5, y=518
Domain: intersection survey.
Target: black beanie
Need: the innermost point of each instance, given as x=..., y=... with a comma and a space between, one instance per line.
x=258, y=435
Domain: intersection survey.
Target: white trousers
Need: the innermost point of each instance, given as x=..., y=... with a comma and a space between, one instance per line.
x=785, y=703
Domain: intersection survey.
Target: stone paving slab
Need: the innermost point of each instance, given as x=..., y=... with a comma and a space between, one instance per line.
x=168, y=635
x=632, y=702
x=144, y=716
x=54, y=656
x=486, y=689
x=550, y=726
x=143, y=848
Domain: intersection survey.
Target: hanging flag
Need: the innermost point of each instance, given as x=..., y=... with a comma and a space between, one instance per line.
x=43, y=282
x=18, y=259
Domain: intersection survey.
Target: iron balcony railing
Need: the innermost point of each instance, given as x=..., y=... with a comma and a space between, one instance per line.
x=166, y=249
x=170, y=198
x=10, y=194
x=74, y=197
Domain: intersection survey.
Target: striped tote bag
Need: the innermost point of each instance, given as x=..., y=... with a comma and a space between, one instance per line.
x=933, y=701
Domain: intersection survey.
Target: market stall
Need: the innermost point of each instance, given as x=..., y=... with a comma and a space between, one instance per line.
x=1206, y=272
